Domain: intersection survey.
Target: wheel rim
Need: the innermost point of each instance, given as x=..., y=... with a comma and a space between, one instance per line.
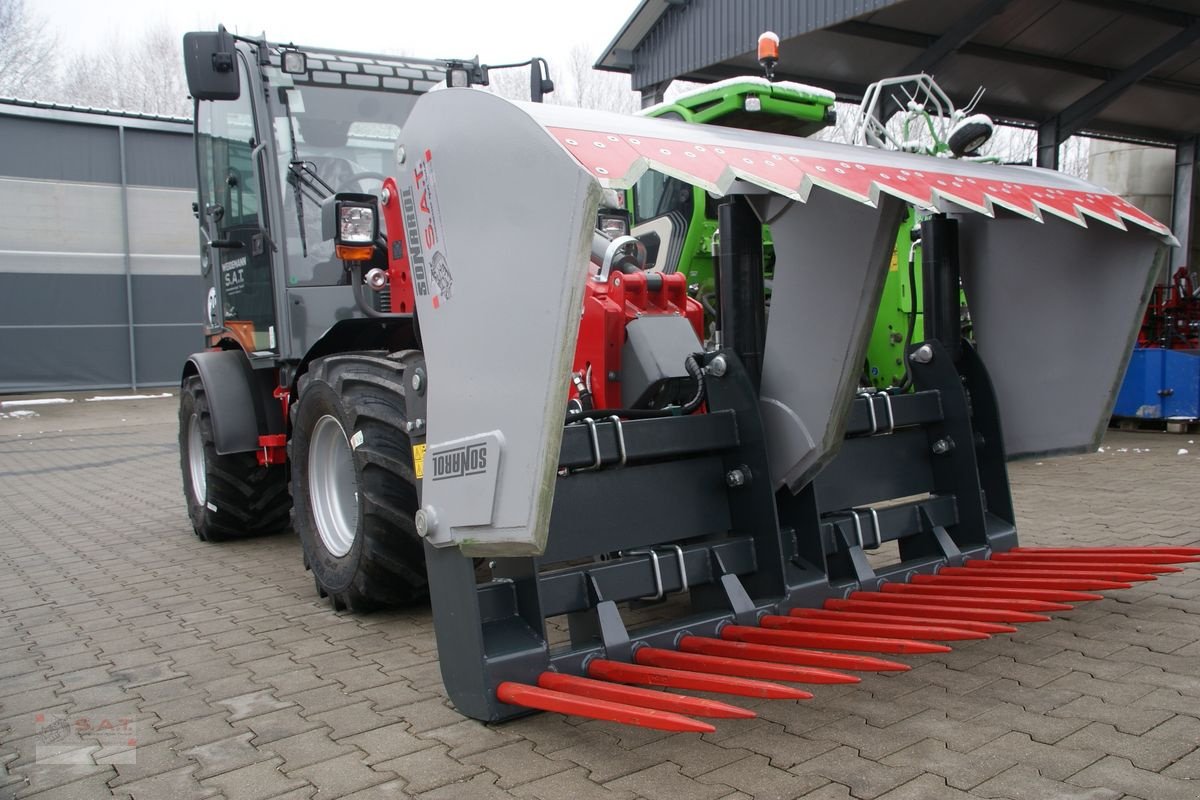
x=332, y=486
x=196, y=461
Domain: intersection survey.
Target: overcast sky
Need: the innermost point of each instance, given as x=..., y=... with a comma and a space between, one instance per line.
x=497, y=30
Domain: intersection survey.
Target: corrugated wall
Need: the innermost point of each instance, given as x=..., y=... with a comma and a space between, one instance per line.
x=705, y=32
x=100, y=281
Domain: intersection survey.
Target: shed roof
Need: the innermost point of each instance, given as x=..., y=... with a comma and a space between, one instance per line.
x=1126, y=69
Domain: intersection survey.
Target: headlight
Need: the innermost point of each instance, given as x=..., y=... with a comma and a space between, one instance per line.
x=293, y=62
x=356, y=224
x=352, y=221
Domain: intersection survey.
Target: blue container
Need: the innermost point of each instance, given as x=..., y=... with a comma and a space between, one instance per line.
x=1160, y=384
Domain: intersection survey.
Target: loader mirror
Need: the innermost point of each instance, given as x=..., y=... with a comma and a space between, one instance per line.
x=211, y=65
x=540, y=84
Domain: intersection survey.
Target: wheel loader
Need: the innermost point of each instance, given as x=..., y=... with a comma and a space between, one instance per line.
x=481, y=392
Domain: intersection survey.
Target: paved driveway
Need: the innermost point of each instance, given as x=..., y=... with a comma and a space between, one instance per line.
x=231, y=679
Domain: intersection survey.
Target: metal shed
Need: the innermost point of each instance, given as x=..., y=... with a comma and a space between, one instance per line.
x=1122, y=69
x=100, y=281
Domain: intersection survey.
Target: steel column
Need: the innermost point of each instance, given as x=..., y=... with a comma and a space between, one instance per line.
x=1183, y=199
x=133, y=381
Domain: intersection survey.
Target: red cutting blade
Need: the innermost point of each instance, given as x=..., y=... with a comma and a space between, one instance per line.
x=644, y=698
x=620, y=672
x=1054, y=595
x=789, y=655
x=899, y=617
x=935, y=611
x=525, y=696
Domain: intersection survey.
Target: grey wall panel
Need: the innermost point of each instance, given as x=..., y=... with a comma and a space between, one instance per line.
x=180, y=266
x=165, y=299
x=162, y=351
x=67, y=279
x=59, y=263
x=52, y=150
x=61, y=300
x=39, y=359
x=47, y=216
x=159, y=159
x=161, y=222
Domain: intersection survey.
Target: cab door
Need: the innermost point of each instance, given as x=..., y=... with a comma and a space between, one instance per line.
x=233, y=221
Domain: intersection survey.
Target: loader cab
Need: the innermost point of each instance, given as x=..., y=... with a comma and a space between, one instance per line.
x=279, y=130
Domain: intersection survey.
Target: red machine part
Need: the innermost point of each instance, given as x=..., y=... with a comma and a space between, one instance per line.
x=399, y=277
x=272, y=448
x=607, y=309
x=956, y=603
x=1172, y=319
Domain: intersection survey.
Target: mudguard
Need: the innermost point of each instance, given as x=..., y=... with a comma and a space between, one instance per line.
x=232, y=401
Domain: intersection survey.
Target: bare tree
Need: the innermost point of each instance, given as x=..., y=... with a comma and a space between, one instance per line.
x=26, y=52
x=145, y=75
x=590, y=88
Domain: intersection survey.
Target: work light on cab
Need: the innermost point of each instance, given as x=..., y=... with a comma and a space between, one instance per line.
x=357, y=226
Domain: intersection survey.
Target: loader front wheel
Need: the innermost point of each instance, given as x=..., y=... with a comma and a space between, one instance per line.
x=353, y=485
x=228, y=496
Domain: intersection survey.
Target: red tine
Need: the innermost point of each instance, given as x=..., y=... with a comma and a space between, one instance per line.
x=685, y=679
x=738, y=667
x=520, y=694
x=645, y=698
x=788, y=655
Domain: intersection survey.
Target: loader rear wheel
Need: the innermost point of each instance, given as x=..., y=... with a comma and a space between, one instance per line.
x=228, y=496
x=353, y=484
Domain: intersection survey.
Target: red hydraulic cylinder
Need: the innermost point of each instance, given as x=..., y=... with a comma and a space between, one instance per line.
x=1013, y=604
x=525, y=696
x=1053, y=595
x=644, y=698
x=899, y=617
x=948, y=612
x=788, y=655
x=621, y=672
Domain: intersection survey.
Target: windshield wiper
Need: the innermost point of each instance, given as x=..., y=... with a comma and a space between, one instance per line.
x=303, y=177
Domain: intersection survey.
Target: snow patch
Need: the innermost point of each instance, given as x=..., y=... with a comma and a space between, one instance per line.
x=126, y=397
x=44, y=401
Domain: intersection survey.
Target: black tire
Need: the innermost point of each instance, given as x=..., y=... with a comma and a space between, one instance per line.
x=238, y=497
x=966, y=140
x=384, y=563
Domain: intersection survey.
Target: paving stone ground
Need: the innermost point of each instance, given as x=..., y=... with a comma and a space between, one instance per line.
x=172, y=669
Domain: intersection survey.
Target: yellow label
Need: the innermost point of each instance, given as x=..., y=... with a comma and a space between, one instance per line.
x=895, y=263
x=419, y=460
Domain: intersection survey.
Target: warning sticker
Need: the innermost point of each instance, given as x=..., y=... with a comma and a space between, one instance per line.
x=419, y=460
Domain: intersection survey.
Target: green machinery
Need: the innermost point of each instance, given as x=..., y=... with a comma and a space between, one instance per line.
x=678, y=221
